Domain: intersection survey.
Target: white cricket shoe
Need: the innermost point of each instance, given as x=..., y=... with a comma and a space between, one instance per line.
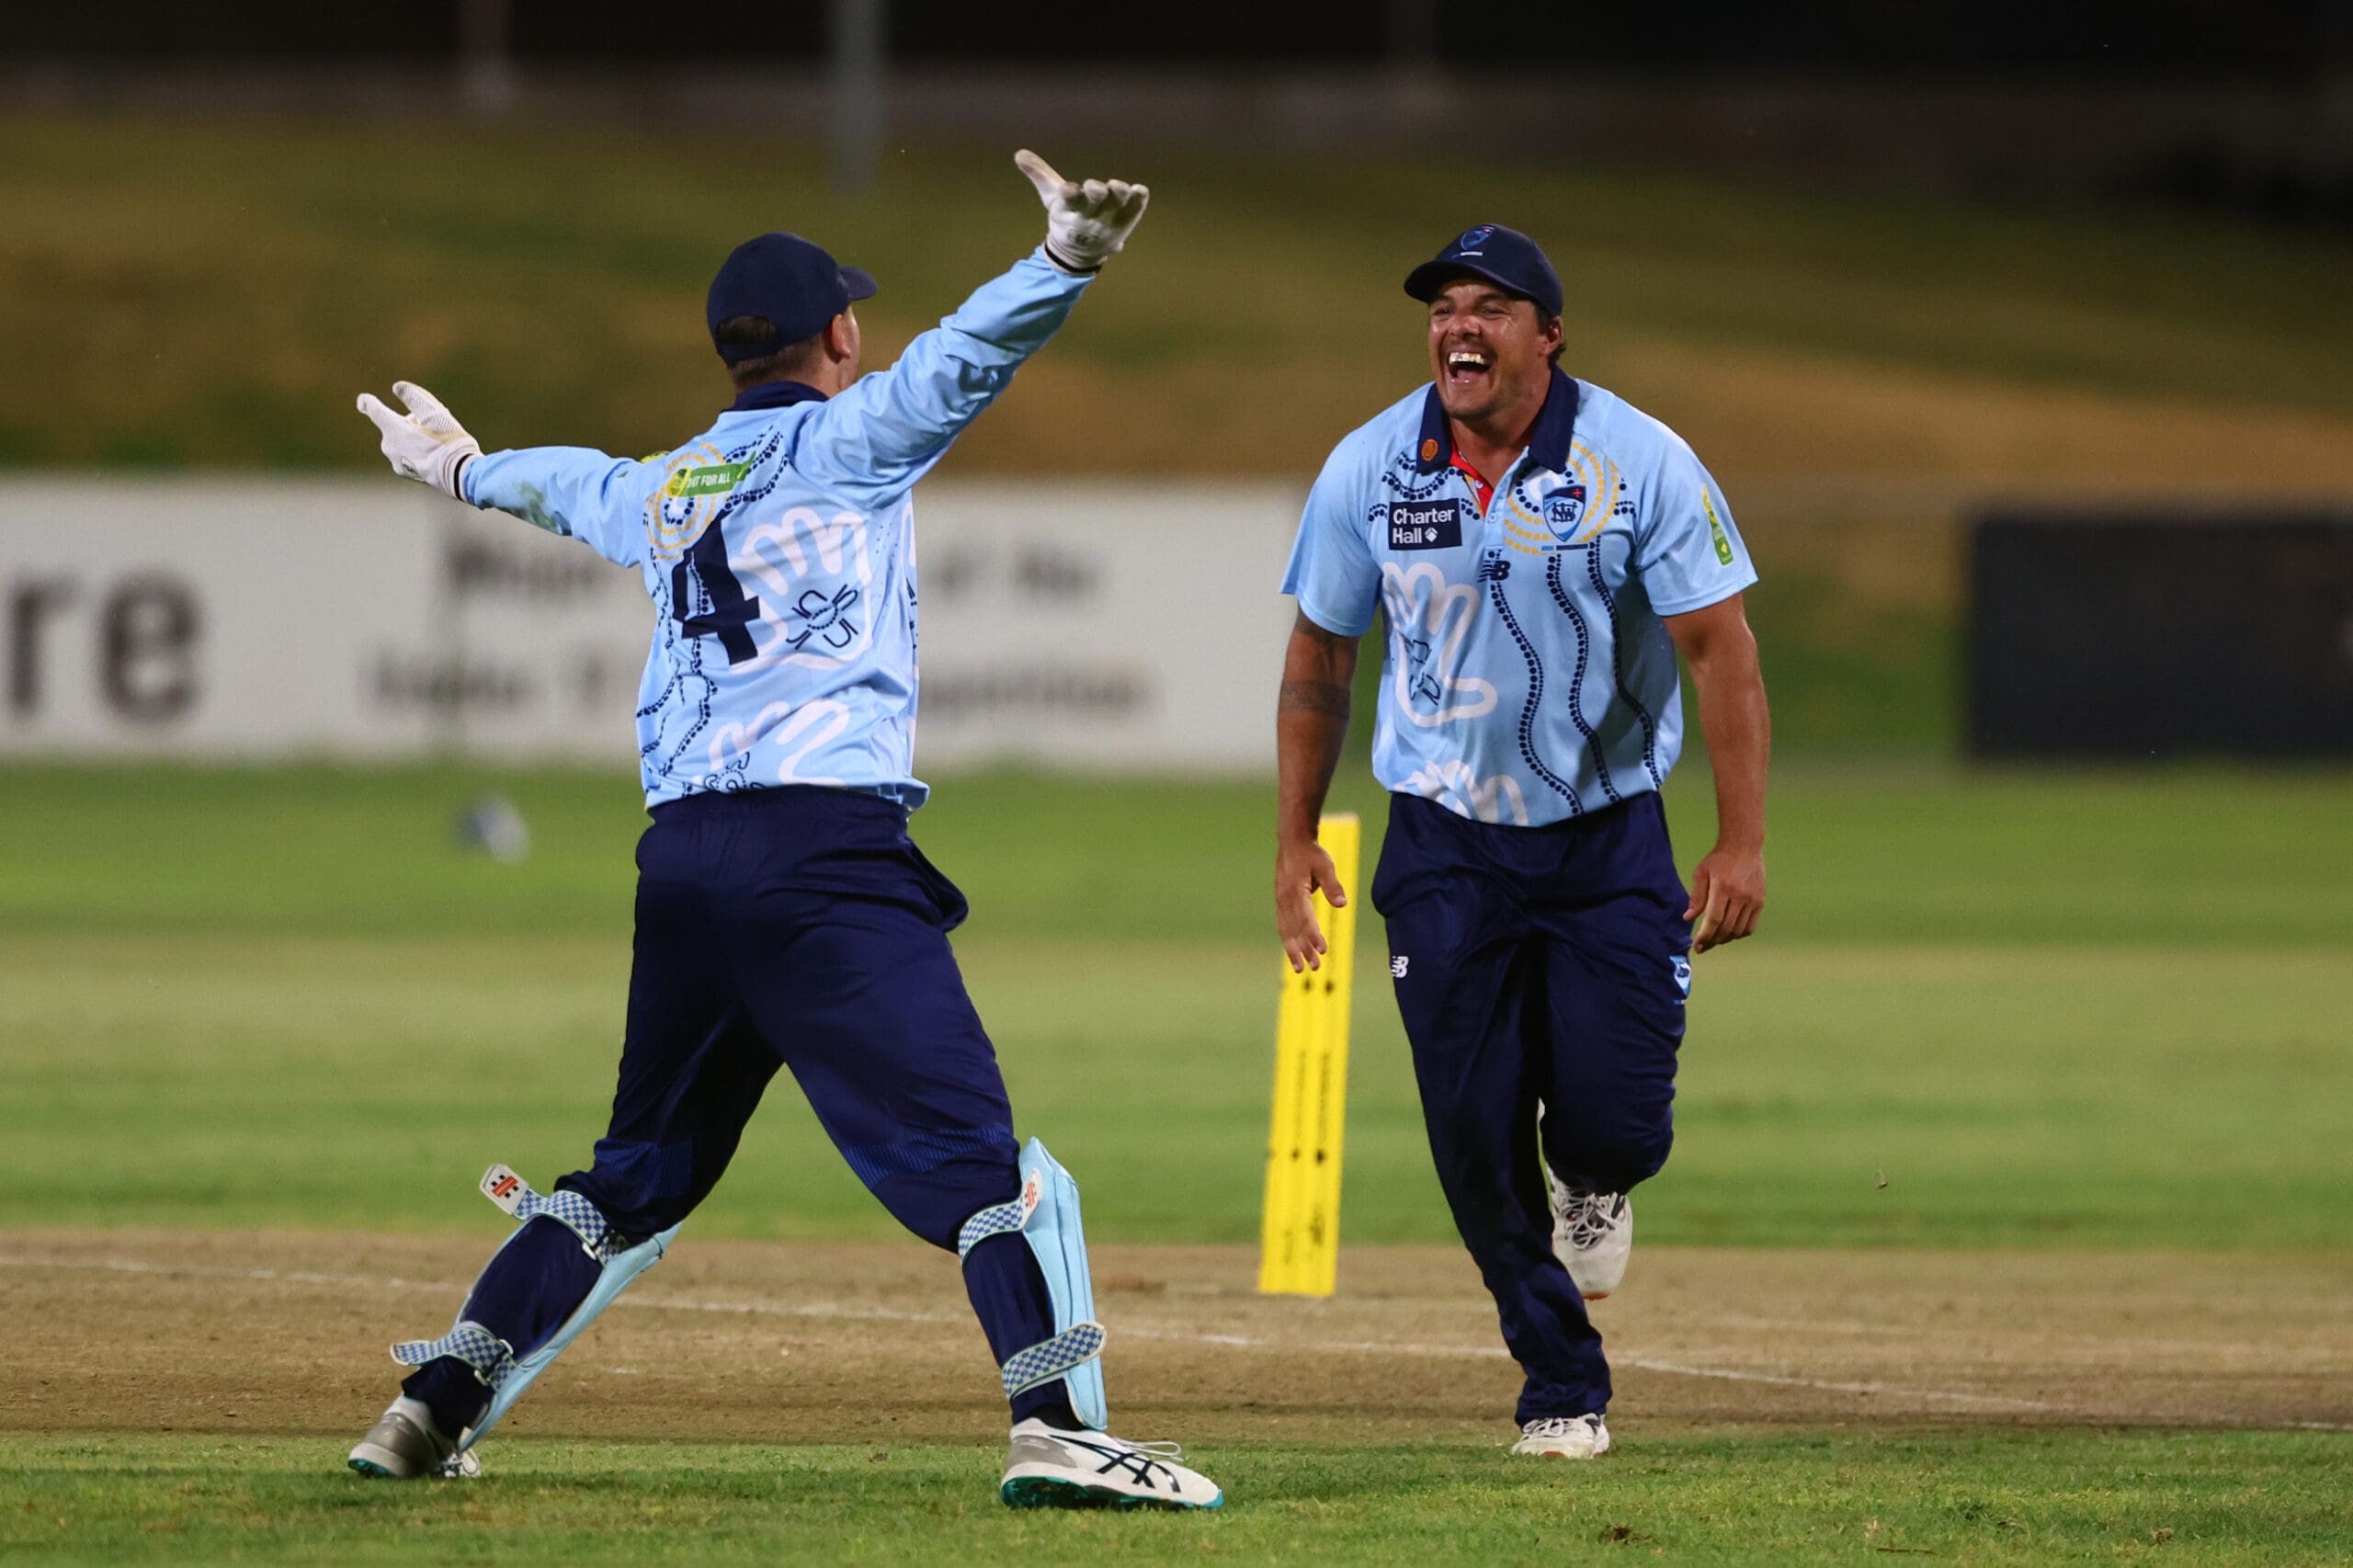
x=1592, y=1232
x=1565, y=1438
x=1050, y=1468
x=403, y=1445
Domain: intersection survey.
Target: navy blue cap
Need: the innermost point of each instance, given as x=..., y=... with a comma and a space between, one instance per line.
x=1505, y=258
x=791, y=283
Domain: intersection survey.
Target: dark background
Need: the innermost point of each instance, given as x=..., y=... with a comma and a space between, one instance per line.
x=2137, y=635
x=2276, y=40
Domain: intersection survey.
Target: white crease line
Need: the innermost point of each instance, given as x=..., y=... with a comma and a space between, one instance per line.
x=2002, y=1401
x=1829, y=1325
x=1237, y=1341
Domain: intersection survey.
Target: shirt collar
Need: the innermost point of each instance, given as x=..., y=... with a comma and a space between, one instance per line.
x=1556, y=426
x=774, y=395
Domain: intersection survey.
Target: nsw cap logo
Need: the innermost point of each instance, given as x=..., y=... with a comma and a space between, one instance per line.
x=1473, y=238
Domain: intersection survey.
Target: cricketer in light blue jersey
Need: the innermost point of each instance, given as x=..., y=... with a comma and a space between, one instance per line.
x=778, y=547
x=1529, y=678
x=1543, y=553
x=785, y=917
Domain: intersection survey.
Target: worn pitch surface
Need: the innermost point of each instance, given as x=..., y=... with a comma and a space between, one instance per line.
x=284, y=1333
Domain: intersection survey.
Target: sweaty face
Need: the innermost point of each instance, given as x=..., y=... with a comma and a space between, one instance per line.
x=1486, y=350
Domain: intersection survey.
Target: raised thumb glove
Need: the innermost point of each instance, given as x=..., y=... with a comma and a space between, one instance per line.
x=1087, y=222
x=427, y=443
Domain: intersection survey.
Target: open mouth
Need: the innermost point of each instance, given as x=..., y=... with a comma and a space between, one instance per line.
x=1468, y=366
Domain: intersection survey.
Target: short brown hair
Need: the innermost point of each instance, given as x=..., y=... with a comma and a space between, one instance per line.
x=785, y=364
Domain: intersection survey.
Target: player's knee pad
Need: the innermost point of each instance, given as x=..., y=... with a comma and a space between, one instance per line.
x=1046, y=1216
x=494, y=1359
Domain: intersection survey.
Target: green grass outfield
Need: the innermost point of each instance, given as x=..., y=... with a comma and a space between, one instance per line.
x=2076, y=1010
x=2235, y=1497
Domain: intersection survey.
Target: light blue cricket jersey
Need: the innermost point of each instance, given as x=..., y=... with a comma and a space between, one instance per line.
x=779, y=548
x=1529, y=678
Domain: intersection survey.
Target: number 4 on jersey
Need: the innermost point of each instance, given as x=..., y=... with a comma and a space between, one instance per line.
x=732, y=610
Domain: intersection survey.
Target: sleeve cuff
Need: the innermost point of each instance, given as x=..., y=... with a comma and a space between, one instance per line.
x=1061, y=269
x=1701, y=601
x=1322, y=615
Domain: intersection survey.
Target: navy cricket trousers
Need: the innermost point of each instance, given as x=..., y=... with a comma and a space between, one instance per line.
x=800, y=927
x=1542, y=965
x=796, y=927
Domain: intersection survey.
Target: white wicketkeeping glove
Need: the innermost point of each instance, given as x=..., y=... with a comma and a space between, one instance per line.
x=1087, y=222
x=427, y=443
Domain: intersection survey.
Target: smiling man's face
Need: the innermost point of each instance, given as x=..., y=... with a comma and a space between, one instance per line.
x=1488, y=350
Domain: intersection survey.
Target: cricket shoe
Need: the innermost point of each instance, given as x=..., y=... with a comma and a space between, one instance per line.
x=1592, y=1234
x=405, y=1444
x=1563, y=1437
x=1050, y=1468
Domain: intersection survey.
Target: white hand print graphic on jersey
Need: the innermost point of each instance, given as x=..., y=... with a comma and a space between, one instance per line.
x=779, y=723
x=1451, y=783
x=815, y=576
x=1429, y=618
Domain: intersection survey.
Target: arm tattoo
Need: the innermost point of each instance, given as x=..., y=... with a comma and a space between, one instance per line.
x=1314, y=697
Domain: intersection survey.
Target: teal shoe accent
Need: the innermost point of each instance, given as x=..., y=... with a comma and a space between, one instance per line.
x=1044, y=1492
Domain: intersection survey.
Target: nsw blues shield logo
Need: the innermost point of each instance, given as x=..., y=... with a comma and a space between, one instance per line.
x=1564, y=509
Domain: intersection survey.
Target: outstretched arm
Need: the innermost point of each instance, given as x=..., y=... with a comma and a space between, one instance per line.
x=573, y=491
x=1311, y=721
x=894, y=424
x=1728, y=885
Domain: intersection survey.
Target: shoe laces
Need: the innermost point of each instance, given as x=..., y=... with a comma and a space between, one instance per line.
x=1157, y=1450
x=1138, y=1460
x=1557, y=1425
x=1590, y=1215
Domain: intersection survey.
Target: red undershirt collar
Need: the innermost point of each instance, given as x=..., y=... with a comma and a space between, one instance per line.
x=1486, y=491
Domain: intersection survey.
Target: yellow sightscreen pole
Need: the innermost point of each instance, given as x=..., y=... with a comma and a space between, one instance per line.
x=1300, y=1246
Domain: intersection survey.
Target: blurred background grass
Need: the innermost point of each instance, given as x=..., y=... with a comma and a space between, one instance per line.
x=246, y=279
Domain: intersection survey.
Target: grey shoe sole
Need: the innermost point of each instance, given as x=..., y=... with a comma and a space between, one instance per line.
x=378, y=1463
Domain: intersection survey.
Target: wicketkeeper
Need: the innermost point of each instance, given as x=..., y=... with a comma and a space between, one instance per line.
x=1541, y=549
x=784, y=917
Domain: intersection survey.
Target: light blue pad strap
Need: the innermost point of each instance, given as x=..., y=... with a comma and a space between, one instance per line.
x=492, y=1357
x=620, y=1270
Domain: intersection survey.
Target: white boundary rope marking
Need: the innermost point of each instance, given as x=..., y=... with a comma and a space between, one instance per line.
x=1238, y=1341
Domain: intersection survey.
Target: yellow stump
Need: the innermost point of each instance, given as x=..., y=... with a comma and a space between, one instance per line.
x=1300, y=1249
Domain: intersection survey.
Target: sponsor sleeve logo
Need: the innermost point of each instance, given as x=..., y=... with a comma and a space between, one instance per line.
x=1422, y=525
x=716, y=480
x=1716, y=529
